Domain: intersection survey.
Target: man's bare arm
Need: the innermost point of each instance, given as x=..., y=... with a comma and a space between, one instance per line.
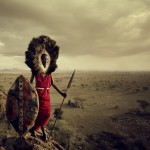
x=32, y=78
x=57, y=89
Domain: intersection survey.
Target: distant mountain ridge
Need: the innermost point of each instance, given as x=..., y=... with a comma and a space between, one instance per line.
x=14, y=70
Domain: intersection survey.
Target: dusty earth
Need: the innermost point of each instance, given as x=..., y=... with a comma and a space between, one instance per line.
x=115, y=107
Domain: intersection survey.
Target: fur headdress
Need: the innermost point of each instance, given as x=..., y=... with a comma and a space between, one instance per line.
x=38, y=46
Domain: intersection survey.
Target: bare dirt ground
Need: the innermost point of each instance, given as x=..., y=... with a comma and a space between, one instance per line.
x=115, y=112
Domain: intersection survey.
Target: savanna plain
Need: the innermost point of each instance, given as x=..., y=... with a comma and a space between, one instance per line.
x=102, y=110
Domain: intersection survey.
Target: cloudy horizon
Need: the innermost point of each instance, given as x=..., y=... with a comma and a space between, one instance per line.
x=110, y=35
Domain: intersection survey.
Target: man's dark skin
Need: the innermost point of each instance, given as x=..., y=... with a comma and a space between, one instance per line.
x=44, y=60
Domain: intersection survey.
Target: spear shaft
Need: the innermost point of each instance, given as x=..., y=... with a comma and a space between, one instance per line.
x=68, y=86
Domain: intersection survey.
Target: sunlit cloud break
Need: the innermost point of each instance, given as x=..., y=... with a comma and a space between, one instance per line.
x=2, y=44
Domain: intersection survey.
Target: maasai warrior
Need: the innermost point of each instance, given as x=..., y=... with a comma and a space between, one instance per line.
x=43, y=82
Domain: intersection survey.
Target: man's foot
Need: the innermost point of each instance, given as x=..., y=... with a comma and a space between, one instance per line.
x=32, y=132
x=45, y=135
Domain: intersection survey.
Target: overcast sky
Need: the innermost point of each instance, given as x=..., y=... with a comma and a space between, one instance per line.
x=92, y=34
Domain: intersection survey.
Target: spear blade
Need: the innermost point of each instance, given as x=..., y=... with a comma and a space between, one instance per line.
x=71, y=79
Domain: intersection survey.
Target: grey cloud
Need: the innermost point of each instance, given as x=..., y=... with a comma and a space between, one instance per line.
x=98, y=27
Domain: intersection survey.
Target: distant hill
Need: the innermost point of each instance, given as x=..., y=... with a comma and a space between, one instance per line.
x=14, y=70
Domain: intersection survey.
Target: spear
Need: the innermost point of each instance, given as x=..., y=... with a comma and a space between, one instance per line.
x=68, y=86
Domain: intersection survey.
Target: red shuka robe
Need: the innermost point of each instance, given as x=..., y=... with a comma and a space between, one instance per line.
x=43, y=84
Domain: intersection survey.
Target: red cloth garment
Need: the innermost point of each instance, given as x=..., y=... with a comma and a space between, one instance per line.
x=43, y=84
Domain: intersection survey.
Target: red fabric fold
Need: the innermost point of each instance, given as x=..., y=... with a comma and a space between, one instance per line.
x=44, y=100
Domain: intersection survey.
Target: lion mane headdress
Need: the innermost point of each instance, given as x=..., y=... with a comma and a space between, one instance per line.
x=38, y=46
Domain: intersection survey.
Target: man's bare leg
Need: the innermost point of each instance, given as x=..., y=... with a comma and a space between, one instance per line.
x=45, y=138
x=32, y=132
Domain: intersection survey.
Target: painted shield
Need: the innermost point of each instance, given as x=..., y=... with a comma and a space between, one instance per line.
x=22, y=105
